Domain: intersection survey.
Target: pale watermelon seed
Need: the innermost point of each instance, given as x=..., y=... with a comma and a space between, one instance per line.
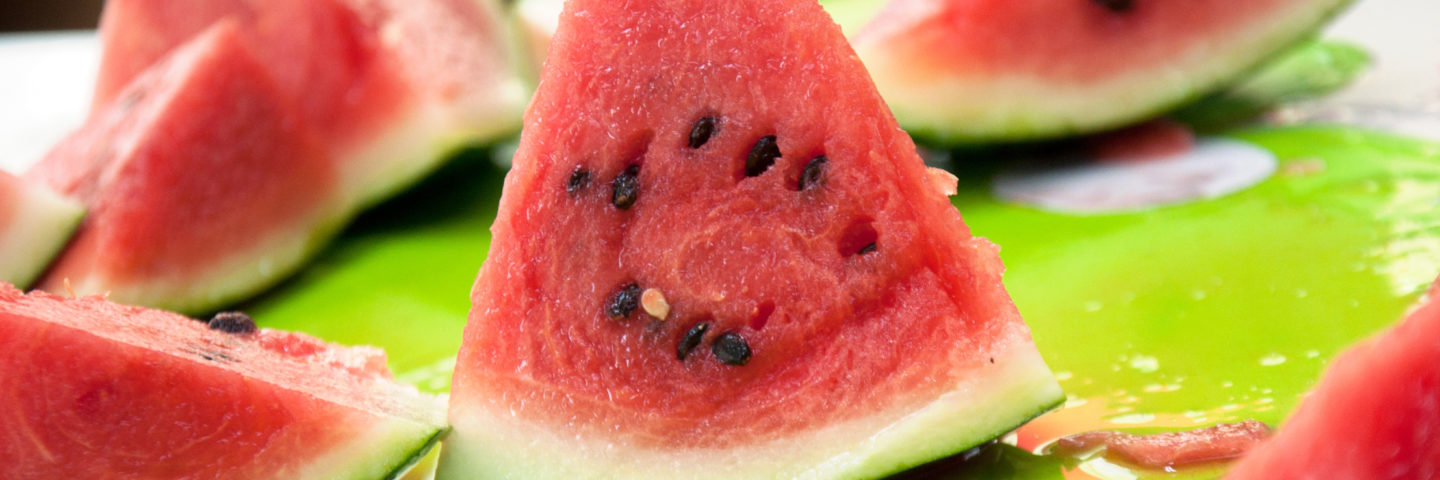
x=700, y=133
x=232, y=322
x=762, y=156
x=579, y=179
x=1117, y=6
x=691, y=340
x=813, y=173
x=731, y=349
x=626, y=188
x=654, y=303
x=623, y=302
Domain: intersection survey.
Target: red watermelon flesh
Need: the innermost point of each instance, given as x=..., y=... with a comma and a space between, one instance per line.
x=99, y=390
x=975, y=70
x=1375, y=414
x=34, y=224
x=357, y=67
x=854, y=326
x=181, y=174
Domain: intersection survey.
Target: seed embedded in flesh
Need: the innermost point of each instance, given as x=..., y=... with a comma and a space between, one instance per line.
x=866, y=249
x=626, y=188
x=691, y=340
x=232, y=322
x=700, y=133
x=1117, y=6
x=654, y=303
x=623, y=302
x=813, y=172
x=762, y=156
x=579, y=179
x=731, y=349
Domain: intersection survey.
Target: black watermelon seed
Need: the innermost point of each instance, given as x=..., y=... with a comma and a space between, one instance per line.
x=731, y=349
x=813, y=172
x=232, y=322
x=762, y=156
x=626, y=188
x=691, y=340
x=700, y=133
x=623, y=302
x=866, y=249
x=1117, y=6
x=579, y=179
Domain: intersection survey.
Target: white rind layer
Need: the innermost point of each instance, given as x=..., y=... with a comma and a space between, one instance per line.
x=40, y=226
x=987, y=106
x=489, y=444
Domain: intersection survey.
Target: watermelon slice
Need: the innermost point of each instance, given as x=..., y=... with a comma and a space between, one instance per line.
x=34, y=224
x=1374, y=415
x=962, y=71
x=217, y=171
x=181, y=175
x=99, y=390
x=718, y=256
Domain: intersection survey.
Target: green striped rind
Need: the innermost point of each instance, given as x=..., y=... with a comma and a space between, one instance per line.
x=40, y=226
x=994, y=400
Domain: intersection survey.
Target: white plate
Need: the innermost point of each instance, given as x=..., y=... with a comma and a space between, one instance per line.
x=45, y=85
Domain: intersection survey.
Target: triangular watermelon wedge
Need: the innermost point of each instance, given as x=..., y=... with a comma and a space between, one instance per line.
x=93, y=389
x=34, y=224
x=718, y=256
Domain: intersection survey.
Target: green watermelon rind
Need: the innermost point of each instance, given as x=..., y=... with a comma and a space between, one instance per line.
x=400, y=469
x=939, y=131
x=39, y=230
x=387, y=454
x=981, y=408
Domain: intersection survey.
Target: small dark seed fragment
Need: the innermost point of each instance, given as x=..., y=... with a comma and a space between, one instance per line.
x=866, y=249
x=762, y=156
x=813, y=171
x=700, y=133
x=691, y=340
x=232, y=322
x=579, y=179
x=626, y=188
x=623, y=302
x=1117, y=6
x=731, y=349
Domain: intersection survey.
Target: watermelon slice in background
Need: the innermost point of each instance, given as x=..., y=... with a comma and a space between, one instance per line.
x=967, y=71
x=202, y=150
x=1374, y=415
x=822, y=310
x=99, y=390
x=35, y=223
x=356, y=100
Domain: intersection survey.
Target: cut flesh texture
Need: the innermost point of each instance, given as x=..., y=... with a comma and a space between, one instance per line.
x=1374, y=415
x=990, y=70
x=864, y=361
x=332, y=105
x=93, y=389
x=183, y=173
x=34, y=224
